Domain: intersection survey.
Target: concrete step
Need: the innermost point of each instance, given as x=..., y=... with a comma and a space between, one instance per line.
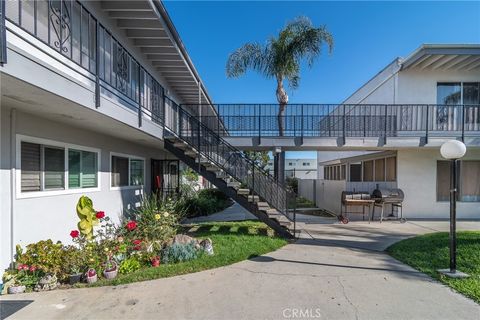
x=243, y=191
x=253, y=199
x=263, y=205
x=214, y=168
x=272, y=211
x=284, y=223
x=171, y=138
x=190, y=153
x=180, y=145
x=233, y=184
x=203, y=161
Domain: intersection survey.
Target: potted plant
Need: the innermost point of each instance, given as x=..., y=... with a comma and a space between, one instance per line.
x=75, y=275
x=91, y=275
x=17, y=287
x=155, y=261
x=111, y=269
x=73, y=264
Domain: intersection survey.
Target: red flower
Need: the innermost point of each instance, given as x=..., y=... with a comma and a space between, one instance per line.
x=131, y=225
x=137, y=244
x=100, y=214
x=20, y=267
x=74, y=233
x=25, y=267
x=33, y=268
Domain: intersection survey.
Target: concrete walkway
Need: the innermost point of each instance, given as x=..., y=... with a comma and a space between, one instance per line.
x=233, y=213
x=333, y=272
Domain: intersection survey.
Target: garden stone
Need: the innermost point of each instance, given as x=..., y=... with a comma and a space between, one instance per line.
x=184, y=239
x=46, y=283
x=207, y=246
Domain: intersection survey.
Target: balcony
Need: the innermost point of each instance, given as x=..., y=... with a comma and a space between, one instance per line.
x=61, y=47
x=302, y=122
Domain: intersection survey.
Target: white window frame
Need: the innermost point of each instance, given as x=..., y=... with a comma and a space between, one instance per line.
x=53, y=143
x=129, y=157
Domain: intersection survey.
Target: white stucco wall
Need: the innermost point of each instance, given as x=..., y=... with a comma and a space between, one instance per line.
x=420, y=86
x=329, y=194
x=307, y=189
x=412, y=86
x=53, y=217
x=418, y=179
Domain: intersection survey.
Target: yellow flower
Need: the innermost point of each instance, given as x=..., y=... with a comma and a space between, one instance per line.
x=157, y=217
x=165, y=214
x=106, y=249
x=91, y=259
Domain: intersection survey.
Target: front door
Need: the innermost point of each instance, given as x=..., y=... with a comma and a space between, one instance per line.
x=165, y=177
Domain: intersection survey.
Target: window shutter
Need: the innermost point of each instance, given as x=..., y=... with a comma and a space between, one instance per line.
x=89, y=169
x=54, y=168
x=73, y=169
x=30, y=167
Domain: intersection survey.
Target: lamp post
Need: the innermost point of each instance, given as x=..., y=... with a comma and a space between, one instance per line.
x=453, y=150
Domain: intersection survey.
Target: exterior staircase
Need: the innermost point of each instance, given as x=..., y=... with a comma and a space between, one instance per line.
x=230, y=170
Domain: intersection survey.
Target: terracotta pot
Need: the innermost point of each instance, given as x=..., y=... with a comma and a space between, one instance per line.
x=155, y=262
x=16, y=289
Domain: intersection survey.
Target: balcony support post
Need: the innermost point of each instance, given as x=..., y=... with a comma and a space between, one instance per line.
x=427, y=124
x=3, y=35
x=97, y=67
x=385, y=129
x=344, y=127
x=139, y=97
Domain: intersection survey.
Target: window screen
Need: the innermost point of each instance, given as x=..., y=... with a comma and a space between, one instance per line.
x=54, y=168
x=119, y=171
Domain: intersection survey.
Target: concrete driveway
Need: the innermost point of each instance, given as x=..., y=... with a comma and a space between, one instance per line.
x=333, y=272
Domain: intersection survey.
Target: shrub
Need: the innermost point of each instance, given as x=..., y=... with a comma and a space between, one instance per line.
x=45, y=255
x=207, y=201
x=129, y=265
x=152, y=224
x=212, y=193
x=178, y=252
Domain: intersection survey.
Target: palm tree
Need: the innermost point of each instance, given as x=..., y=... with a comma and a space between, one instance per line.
x=280, y=58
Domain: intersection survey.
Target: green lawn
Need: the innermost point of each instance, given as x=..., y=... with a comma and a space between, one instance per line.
x=430, y=252
x=232, y=242
x=302, y=203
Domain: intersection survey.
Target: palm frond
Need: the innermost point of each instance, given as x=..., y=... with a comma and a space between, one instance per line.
x=249, y=56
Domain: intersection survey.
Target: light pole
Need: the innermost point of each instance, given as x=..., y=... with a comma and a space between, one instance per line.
x=453, y=150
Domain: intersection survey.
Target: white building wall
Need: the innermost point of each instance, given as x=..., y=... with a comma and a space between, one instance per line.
x=307, y=189
x=329, y=194
x=417, y=178
x=420, y=86
x=412, y=86
x=53, y=217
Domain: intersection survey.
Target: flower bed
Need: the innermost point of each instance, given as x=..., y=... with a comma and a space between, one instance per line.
x=147, y=237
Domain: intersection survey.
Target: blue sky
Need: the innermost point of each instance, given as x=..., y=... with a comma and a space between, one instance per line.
x=368, y=35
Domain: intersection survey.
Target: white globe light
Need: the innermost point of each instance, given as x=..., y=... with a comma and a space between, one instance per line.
x=453, y=149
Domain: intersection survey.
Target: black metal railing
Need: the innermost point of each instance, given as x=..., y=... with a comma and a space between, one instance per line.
x=345, y=120
x=70, y=29
x=230, y=159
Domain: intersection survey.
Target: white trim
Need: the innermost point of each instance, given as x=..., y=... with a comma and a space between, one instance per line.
x=129, y=157
x=53, y=143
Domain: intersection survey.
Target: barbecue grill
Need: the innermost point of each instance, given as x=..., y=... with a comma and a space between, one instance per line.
x=355, y=199
x=393, y=197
